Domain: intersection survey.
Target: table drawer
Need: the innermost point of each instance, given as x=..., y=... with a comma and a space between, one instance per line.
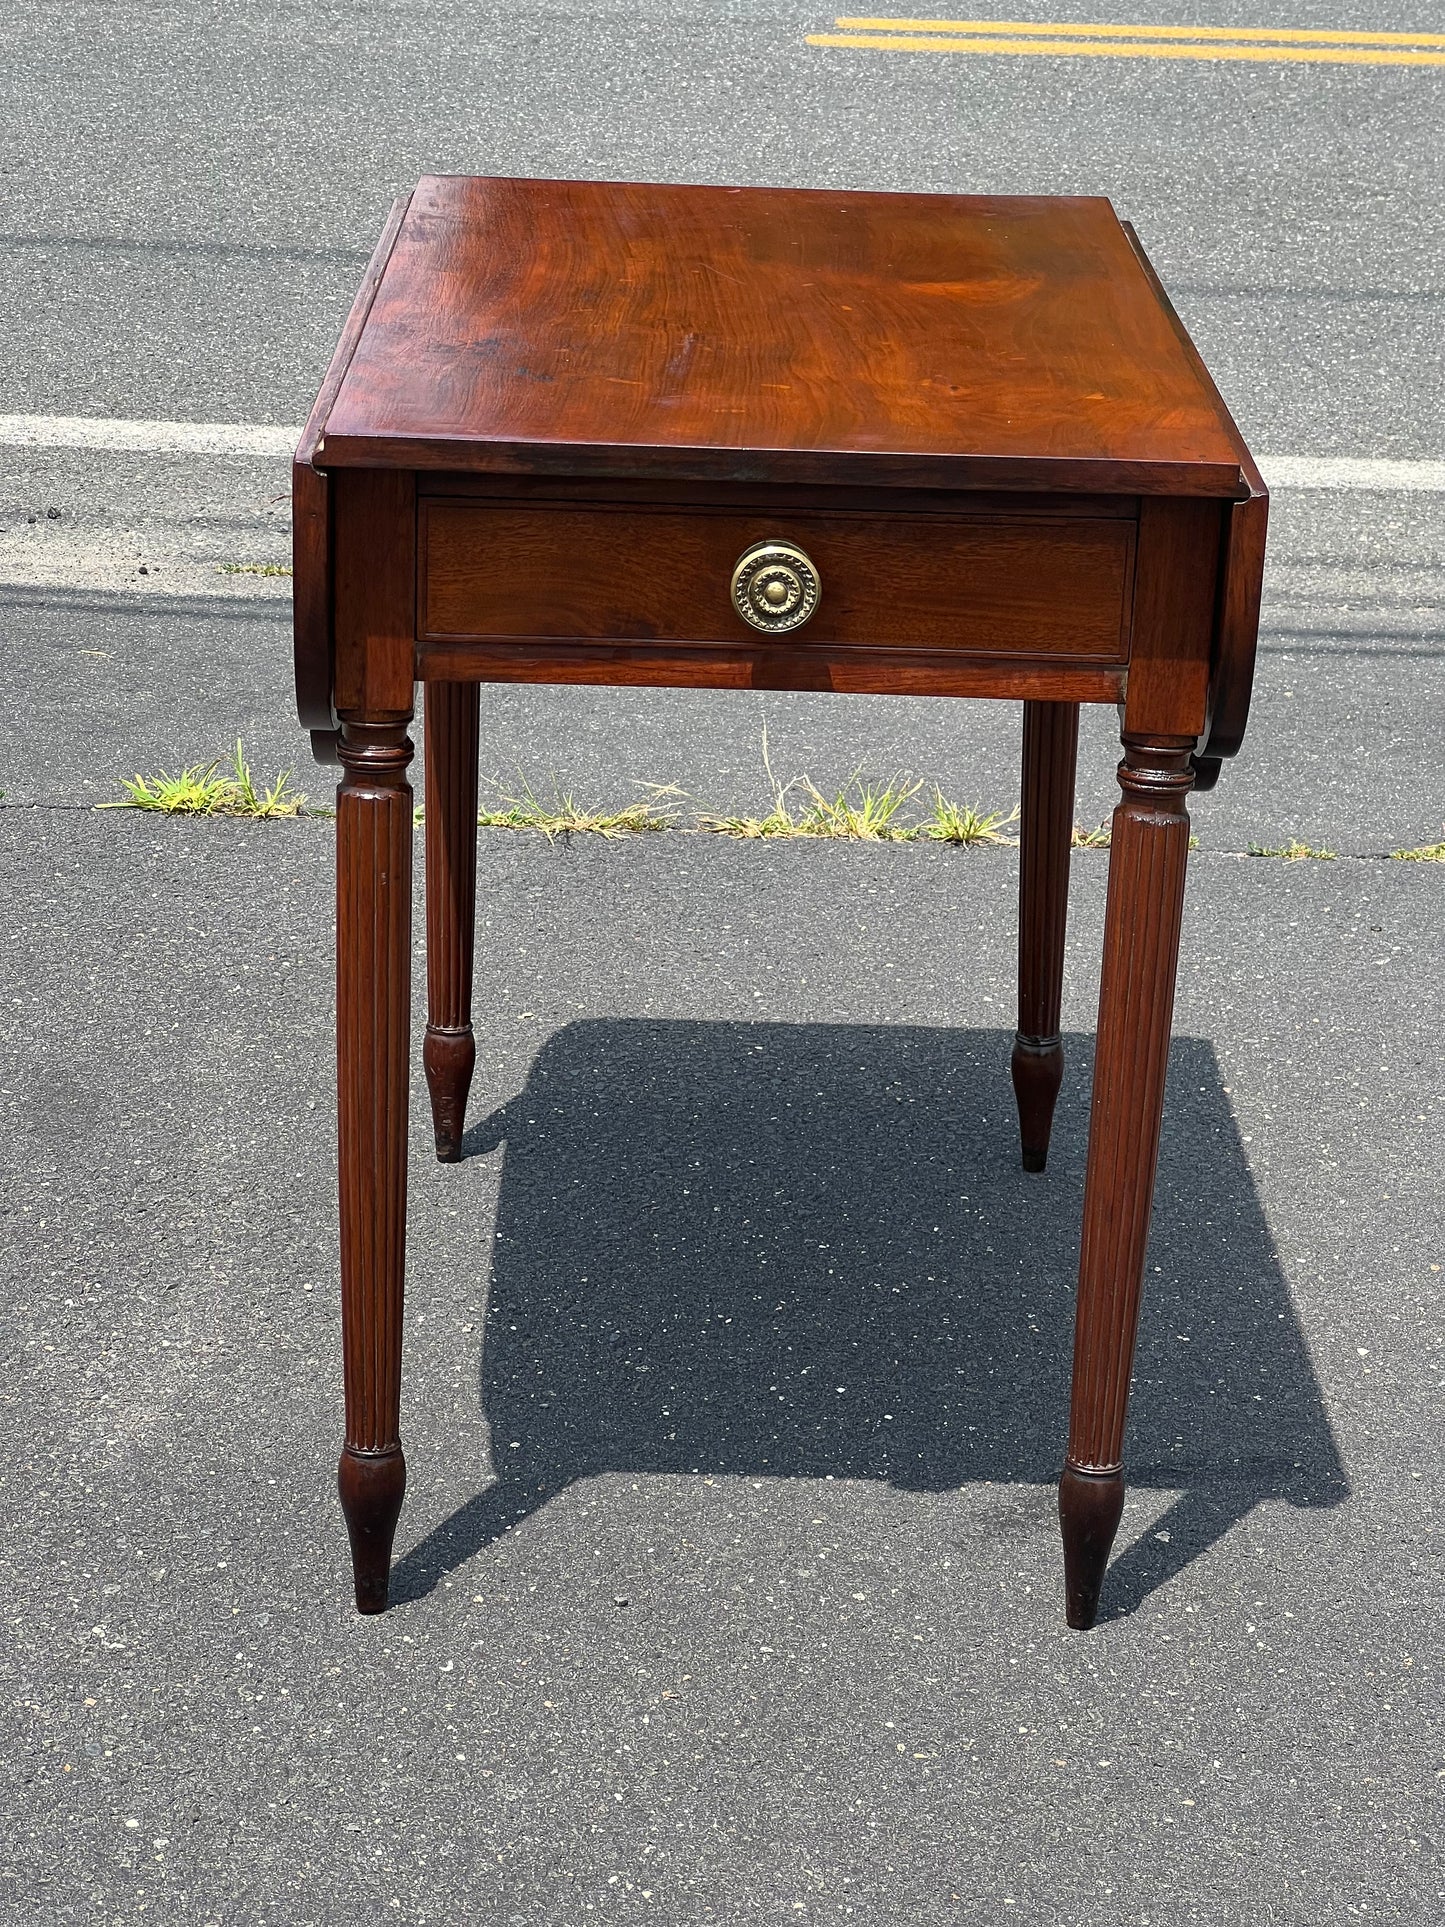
x=986, y=585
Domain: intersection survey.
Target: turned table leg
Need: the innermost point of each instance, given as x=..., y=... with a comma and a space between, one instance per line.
x=449, y=1052
x=1051, y=745
x=373, y=997
x=1148, y=850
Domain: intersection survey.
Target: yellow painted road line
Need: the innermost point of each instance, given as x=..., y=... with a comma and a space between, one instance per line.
x=1127, y=50
x=1067, y=29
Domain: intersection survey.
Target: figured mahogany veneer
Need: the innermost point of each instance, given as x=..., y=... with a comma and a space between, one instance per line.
x=777, y=334
x=558, y=414
x=1008, y=586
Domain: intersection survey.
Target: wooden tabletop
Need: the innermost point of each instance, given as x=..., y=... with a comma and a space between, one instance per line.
x=776, y=335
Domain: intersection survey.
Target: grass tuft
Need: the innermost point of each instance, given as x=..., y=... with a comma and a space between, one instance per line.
x=861, y=811
x=1422, y=853
x=1096, y=839
x=965, y=824
x=776, y=823
x=867, y=813
x=1293, y=852
x=203, y=789
x=565, y=816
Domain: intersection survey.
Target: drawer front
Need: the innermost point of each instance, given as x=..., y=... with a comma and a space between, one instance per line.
x=988, y=586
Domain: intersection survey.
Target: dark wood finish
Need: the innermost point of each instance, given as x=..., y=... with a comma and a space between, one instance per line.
x=1237, y=630
x=559, y=412
x=374, y=625
x=373, y=1015
x=1051, y=748
x=851, y=672
x=1175, y=585
x=449, y=1051
x=311, y=586
x=768, y=334
x=374, y=567
x=1000, y=586
x=763, y=497
x=1148, y=849
x=1237, y=635
x=1091, y=1505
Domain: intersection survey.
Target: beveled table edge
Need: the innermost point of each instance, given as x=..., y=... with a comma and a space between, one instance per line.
x=811, y=467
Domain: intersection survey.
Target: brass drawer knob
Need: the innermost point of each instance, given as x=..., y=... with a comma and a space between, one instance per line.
x=775, y=587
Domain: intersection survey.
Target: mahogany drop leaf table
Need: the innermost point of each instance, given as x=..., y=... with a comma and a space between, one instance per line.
x=746, y=438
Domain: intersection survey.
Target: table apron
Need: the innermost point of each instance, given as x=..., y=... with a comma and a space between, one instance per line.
x=858, y=672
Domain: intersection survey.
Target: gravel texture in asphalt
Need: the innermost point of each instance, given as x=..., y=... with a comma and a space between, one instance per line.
x=194, y=192
x=736, y=1360
x=728, y=1584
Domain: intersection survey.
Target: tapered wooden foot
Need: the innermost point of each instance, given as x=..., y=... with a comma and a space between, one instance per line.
x=1051, y=746
x=1037, y=1066
x=373, y=1008
x=372, y=1486
x=449, y=1058
x=449, y=1052
x=1147, y=855
x=1090, y=1507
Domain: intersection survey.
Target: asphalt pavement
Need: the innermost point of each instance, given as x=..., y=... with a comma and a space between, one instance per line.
x=728, y=1584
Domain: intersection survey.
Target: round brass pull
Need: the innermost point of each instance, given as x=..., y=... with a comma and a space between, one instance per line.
x=775, y=587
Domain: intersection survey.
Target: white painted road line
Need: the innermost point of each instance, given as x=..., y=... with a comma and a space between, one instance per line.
x=262, y=438
x=1341, y=472
x=147, y=438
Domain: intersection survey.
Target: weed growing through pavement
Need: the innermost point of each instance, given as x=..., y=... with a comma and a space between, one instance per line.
x=967, y=824
x=862, y=810
x=564, y=816
x=777, y=822
x=1293, y=852
x=1095, y=839
x=253, y=568
x=202, y=789
x=866, y=812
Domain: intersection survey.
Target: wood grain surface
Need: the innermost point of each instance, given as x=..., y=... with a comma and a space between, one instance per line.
x=846, y=671
x=449, y=1051
x=776, y=334
x=1176, y=597
x=1003, y=586
x=1046, y=834
x=312, y=651
x=1148, y=852
x=373, y=1013
x=1237, y=625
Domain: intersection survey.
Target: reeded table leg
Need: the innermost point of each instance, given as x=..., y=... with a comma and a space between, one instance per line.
x=1051, y=746
x=449, y=1052
x=1148, y=850
x=373, y=997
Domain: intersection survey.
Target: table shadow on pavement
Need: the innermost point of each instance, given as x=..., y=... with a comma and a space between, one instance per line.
x=795, y=1251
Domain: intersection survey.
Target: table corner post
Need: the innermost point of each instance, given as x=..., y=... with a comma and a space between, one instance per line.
x=374, y=821
x=449, y=1050
x=1050, y=757
x=1149, y=848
